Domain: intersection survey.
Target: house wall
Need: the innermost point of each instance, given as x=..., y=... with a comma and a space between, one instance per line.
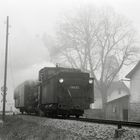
x=135, y=87
x=134, y=111
x=115, y=109
x=116, y=94
x=97, y=100
x=97, y=103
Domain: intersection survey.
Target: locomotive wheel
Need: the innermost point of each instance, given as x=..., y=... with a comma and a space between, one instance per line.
x=40, y=113
x=46, y=115
x=54, y=115
x=67, y=116
x=21, y=110
x=64, y=116
x=77, y=116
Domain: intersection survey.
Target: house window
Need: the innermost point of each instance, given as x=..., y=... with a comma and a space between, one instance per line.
x=114, y=109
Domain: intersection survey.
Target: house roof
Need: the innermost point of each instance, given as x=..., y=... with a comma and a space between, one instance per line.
x=117, y=85
x=130, y=74
x=118, y=98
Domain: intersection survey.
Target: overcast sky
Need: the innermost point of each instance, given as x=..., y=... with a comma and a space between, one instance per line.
x=29, y=19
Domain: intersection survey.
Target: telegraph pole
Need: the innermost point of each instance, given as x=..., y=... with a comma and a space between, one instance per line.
x=5, y=69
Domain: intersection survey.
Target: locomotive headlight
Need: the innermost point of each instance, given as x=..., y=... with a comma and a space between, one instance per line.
x=90, y=81
x=61, y=80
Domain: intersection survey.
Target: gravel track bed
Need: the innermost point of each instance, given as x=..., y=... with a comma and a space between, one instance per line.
x=83, y=129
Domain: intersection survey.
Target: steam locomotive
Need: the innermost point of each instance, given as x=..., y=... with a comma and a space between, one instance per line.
x=58, y=91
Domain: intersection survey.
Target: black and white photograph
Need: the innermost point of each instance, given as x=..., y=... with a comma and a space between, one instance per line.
x=70, y=69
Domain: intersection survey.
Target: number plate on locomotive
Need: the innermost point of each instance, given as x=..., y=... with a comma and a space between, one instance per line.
x=74, y=87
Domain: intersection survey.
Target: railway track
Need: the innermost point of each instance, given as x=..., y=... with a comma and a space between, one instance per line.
x=111, y=122
x=118, y=132
x=119, y=124
x=99, y=126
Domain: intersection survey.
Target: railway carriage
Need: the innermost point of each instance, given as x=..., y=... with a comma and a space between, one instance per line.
x=25, y=96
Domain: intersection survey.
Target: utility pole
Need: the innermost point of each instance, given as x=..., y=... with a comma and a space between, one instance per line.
x=5, y=70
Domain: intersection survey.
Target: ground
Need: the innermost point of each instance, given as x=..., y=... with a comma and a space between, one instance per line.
x=18, y=129
x=24, y=127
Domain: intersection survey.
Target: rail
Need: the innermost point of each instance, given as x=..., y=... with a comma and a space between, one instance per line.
x=119, y=124
x=111, y=122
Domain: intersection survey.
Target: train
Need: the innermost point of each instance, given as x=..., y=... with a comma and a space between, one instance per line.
x=58, y=91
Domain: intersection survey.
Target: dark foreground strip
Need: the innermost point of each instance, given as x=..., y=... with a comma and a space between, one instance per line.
x=111, y=122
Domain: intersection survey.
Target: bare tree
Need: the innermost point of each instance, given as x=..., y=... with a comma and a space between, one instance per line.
x=88, y=37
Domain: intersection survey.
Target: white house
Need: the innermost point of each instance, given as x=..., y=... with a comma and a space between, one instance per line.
x=117, y=102
x=134, y=76
x=117, y=90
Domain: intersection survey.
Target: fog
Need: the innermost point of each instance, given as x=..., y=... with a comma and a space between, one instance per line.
x=29, y=20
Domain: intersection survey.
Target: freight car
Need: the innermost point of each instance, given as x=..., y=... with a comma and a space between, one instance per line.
x=61, y=91
x=25, y=96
